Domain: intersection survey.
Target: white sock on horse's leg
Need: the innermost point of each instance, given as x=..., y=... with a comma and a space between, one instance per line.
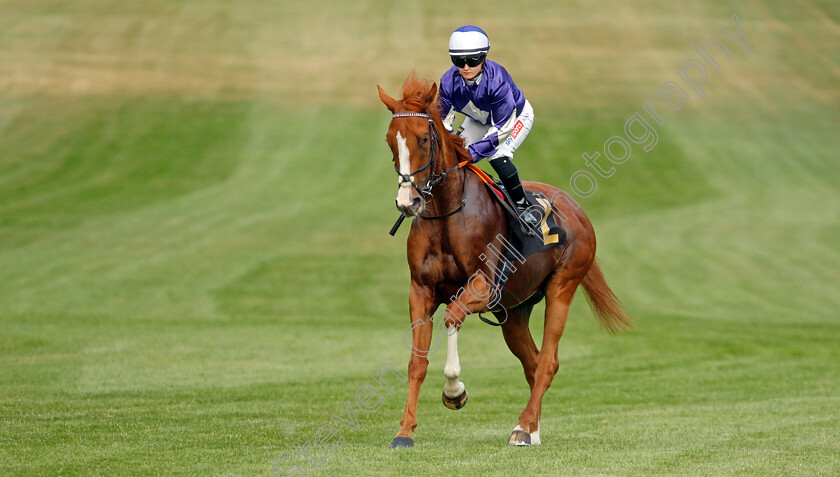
x=452, y=370
x=535, y=436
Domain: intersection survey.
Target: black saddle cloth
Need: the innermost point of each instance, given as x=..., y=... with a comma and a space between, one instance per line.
x=546, y=235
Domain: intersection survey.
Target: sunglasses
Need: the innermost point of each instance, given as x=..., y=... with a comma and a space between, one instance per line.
x=472, y=61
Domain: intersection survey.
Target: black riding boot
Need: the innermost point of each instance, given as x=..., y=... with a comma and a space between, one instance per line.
x=510, y=179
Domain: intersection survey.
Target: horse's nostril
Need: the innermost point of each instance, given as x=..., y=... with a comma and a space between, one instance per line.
x=417, y=204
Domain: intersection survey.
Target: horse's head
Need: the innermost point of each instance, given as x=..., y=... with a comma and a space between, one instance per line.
x=414, y=142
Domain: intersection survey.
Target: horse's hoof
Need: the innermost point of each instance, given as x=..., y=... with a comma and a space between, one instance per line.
x=402, y=442
x=519, y=437
x=456, y=402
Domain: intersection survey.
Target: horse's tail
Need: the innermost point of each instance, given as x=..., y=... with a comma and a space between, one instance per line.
x=607, y=308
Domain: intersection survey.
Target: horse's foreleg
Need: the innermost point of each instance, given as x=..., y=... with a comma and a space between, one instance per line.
x=471, y=299
x=454, y=392
x=421, y=305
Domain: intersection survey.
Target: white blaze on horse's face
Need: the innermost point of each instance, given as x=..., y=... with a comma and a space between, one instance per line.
x=404, y=200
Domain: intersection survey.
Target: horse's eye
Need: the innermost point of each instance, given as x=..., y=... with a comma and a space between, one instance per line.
x=424, y=141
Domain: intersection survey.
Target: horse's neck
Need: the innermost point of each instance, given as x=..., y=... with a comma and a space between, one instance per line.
x=448, y=195
x=463, y=237
x=464, y=186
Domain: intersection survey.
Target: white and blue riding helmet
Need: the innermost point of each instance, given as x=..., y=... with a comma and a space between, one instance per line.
x=469, y=40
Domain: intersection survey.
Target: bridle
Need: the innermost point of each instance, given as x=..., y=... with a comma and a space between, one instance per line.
x=434, y=179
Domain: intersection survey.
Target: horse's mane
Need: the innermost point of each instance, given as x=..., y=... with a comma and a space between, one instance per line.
x=414, y=98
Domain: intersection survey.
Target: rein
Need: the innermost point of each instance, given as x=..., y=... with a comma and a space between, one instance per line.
x=434, y=179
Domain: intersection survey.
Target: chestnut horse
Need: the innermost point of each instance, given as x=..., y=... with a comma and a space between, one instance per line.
x=456, y=222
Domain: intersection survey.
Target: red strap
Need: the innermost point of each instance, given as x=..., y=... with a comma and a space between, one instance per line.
x=486, y=179
x=481, y=174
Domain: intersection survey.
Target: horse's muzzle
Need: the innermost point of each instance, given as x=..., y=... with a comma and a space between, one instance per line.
x=413, y=209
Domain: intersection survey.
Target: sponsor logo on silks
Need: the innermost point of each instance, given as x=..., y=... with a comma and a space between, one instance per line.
x=518, y=127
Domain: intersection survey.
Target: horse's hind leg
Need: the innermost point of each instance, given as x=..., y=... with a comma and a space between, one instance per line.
x=559, y=293
x=521, y=343
x=519, y=340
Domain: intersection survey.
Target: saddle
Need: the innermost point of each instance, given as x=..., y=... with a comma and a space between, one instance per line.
x=527, y=239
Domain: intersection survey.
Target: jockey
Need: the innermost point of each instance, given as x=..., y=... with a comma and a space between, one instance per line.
x=498, y=115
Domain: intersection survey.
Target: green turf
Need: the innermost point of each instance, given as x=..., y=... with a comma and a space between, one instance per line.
x=195, y=271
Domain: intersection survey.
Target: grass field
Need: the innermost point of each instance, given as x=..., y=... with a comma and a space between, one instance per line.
x=195, y=271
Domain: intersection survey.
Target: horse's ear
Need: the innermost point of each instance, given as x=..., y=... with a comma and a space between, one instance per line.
x=389, y=102
x=431, y=94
